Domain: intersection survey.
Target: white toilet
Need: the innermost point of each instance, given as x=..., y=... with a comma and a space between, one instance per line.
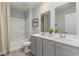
x=26, y=46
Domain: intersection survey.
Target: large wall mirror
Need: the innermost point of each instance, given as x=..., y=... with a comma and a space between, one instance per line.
x=45, y=21
x=65, y=18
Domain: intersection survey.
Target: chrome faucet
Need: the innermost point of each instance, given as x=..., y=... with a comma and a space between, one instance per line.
x=62, y=36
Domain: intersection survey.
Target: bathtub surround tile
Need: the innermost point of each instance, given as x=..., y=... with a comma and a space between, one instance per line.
x=17, y=33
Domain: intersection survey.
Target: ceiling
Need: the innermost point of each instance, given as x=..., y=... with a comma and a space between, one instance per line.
x=24, y=6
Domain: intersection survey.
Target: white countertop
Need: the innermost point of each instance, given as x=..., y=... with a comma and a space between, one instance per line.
x=72, y=40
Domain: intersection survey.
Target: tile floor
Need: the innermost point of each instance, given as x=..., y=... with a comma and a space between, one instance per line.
x=19, y=53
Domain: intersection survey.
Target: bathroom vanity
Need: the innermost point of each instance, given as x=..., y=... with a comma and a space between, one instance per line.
x=43, y=45
x=66, y=21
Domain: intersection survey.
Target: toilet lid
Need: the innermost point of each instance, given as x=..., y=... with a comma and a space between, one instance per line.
x=27, y=43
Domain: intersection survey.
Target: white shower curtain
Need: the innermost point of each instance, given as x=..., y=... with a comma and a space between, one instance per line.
x=4, y=27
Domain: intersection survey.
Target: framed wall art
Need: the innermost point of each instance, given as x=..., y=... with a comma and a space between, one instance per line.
x=35, y=22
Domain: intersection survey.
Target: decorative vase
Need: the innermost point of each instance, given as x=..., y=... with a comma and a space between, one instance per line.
x=50, y=35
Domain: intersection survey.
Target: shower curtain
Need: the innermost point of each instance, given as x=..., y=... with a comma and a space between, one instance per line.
x=4, y=27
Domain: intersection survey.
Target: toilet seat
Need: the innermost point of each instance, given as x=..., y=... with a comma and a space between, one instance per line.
x=25, y=44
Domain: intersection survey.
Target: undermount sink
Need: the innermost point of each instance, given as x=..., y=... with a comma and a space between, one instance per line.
x=69, y=38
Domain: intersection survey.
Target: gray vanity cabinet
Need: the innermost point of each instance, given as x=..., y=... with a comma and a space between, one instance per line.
x=57, y=49
x=39, y=47
x=33, y=47
x=65, y=50
x=48, y=48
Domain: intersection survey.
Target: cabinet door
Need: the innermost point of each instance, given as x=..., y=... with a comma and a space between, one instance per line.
x=57, y=50
x=39, y=47
x=33, y=47
x=65, y=50
x=44, y=47
x=69, y=51
x=48, y=49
